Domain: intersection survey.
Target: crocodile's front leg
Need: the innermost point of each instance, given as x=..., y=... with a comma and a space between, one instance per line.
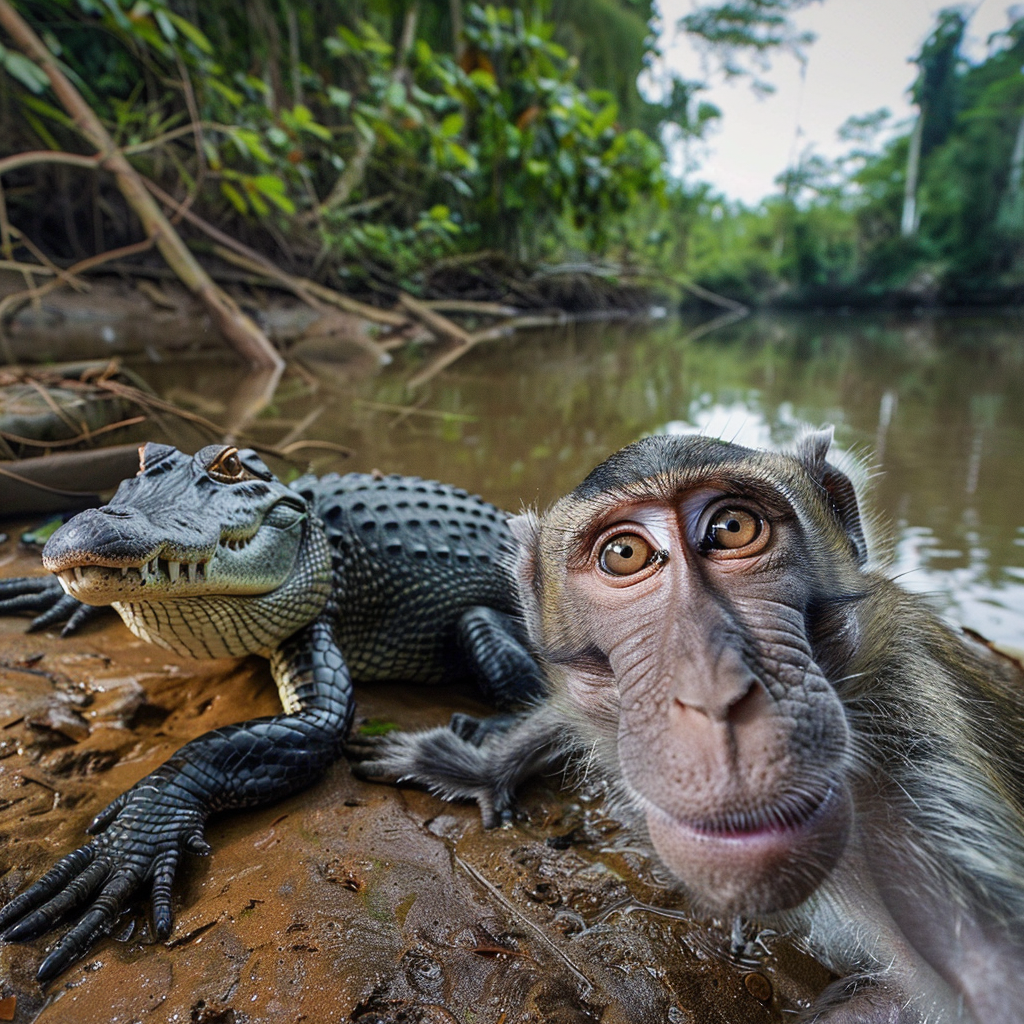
x=140, y=836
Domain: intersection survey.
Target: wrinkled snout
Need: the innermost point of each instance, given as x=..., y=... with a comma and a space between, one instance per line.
x=101, y=536
x=117, y=536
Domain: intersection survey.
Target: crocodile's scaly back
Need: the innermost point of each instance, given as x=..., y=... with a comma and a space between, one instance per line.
x=409, y=555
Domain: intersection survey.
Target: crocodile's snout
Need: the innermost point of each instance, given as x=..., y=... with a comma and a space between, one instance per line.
x=110, y=536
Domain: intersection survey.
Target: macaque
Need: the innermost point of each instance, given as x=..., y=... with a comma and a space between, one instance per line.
x=800, y=741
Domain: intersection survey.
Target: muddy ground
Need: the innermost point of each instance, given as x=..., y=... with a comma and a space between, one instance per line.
x=349, y=901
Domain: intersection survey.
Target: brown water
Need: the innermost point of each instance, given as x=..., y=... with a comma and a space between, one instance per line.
x=934, y=407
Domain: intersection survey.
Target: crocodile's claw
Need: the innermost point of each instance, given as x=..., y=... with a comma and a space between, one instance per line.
x=139, y=839
x=44, y=594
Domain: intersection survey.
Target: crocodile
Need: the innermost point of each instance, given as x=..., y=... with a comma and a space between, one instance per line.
x=336, y=578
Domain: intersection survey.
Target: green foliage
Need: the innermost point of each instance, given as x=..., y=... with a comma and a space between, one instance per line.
x=394, y=152
x=832, y=233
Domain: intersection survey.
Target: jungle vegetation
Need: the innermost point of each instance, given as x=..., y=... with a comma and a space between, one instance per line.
x=367, y=143
x=924, y=212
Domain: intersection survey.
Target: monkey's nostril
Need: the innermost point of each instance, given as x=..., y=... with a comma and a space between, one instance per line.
x=749, y=705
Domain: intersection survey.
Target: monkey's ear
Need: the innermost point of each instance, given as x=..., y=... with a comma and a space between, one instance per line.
x=842, y=497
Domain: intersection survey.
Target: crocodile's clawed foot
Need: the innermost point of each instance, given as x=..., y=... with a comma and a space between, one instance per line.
x=141, y=836
x=44, y=595
x=438, y=760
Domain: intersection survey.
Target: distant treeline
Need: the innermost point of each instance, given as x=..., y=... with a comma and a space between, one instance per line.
x=935, y=214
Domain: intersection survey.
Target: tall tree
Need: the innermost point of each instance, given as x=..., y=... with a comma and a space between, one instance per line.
x=935, y=94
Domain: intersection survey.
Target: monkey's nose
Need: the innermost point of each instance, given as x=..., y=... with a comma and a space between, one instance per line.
x=733, y=701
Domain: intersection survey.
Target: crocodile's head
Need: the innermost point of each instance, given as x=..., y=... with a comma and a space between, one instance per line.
x=216, y=523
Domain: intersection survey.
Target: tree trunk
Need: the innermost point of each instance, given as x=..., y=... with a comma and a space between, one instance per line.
x=238, y=329
x=910, y=219
x=458, y=41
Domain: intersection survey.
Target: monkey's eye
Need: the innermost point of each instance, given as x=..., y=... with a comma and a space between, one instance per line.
x=227, y=467
x=735, y=529
x=625, y=554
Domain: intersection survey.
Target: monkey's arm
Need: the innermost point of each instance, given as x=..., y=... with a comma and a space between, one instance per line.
x=44, y=595
x=455, y=768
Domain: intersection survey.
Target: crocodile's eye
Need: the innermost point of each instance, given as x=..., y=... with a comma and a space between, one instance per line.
x=625, y=554
x=227, y=467
x=735, y=531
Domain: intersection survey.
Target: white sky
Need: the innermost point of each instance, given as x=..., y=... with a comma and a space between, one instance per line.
x=858, y=63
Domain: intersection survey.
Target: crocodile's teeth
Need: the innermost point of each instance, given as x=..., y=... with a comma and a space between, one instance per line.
x=172, y=570
x=124, y=571
x=190, y=571
x=152, y=567
x=79, y=574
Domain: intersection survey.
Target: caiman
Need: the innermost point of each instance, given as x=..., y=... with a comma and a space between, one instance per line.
x=335, y=578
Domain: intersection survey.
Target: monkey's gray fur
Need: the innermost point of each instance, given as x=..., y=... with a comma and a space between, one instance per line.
x=799, y=740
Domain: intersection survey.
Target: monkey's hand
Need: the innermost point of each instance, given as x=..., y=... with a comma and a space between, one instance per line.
x=439, y=760
x=44, y=594
x=139, y=838
x=488, y=771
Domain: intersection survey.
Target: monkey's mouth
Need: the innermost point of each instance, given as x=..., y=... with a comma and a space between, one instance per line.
x=757, y=861
x=791, y=813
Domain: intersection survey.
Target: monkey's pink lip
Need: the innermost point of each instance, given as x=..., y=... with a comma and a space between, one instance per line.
x=787, y=815
x=762, y=861
x=784, y=820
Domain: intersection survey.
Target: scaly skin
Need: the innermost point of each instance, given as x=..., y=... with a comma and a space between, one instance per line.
x=211, y=556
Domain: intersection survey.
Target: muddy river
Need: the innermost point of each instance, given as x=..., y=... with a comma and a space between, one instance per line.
x=932, y=407
x=364, y=903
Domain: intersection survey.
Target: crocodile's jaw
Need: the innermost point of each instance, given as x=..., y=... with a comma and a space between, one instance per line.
x=259, y=565
x=233, y=626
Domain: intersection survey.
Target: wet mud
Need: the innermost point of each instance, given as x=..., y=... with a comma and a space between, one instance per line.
x=348, y=901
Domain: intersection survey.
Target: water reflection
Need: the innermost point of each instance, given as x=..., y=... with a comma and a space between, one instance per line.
x=933, y=406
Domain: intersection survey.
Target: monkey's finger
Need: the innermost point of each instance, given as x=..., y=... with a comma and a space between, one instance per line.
x=56, y=878
x=80, y=939
x=376, y=771
x=78, y=890
x=163, y=878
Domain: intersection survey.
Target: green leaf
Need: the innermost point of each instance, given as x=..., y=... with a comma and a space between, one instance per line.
x=24, y=70
x=605, y=119
x=234, y=197
x=252, y=144
x=452, y=126
x=190, y=32
x=341, y=98
x=273, y=188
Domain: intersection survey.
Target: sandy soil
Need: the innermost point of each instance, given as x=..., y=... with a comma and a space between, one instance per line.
x=349, y=901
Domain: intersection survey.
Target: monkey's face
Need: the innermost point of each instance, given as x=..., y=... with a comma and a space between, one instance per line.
x=673, y=609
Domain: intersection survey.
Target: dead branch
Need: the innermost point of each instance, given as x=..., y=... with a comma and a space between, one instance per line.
x=471, y=306
x=303, y=287
x=16, y=300
x=714, y=298
x=435, y=321
x=238, y=329
x=49, y=156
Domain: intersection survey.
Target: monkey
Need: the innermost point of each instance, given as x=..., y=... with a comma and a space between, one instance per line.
x=797, y=739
